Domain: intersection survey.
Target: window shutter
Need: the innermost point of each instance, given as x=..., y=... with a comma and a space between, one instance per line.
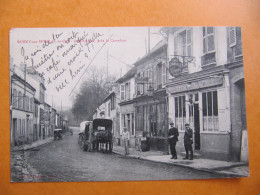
x=232, y=36
x=129, y=91
x=15, y=99
x=222, y=110
x=122, y=92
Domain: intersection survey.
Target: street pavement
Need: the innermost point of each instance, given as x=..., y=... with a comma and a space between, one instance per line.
x=230, y=169
x=63, y=160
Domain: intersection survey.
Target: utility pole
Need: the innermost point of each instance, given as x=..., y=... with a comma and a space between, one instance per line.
x=107, y=64
x=149, y=40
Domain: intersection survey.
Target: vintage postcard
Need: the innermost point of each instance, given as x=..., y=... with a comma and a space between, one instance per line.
x=127, y=103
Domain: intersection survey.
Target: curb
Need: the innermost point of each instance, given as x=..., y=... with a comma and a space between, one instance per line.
x=31, y=147
x=229, y=174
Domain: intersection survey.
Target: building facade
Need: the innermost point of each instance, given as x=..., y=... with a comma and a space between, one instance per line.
x=21, y=107
x=127, y=110
x=199, y=88
x=238, y=136
x=151, y=98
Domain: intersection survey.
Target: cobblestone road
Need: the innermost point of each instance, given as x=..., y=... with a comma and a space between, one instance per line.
x=64, y=161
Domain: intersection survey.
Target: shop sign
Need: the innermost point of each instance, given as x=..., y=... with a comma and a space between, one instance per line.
x=197, y=85
x=175, y=67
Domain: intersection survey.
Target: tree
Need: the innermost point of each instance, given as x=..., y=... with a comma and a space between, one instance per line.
x=92, y=92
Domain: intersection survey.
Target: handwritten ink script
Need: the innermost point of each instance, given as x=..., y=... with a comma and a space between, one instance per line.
x=63, y=57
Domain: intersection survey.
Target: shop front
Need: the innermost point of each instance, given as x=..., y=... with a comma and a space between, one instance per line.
x=151, y=120
x=127, y=119
x=202, y=99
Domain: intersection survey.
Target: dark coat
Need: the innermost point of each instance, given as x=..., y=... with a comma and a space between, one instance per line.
x=188, y=136
x=173, y=132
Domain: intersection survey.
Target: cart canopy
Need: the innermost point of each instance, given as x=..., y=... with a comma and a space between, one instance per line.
x=83, y=126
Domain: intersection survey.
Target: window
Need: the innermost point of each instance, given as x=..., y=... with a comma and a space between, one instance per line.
x=15, y=99
x=183, y=43
x=141, y=88
x=36, y=110
x=27, y=103
x=128, y=122
x=208, y=40
x=183, y=46
x=140, y=85
x=127, y=91
x=209, y=56
x=123, y=120
x=210, y=111
x=42, y=114
x=23, y=127
x=122, y=89
x=150, y=79
x=31, y=104
x=24, y=102
x=232, y=36
x=180, y=112
x=191, y=111
x=20, y=100
x=42, y=96
x=159, y=75
x=164, y=74
x=113, y=102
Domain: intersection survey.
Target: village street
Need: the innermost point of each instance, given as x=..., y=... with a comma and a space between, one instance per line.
x=64, y=161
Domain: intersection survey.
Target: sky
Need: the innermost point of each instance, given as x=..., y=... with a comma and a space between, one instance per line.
x=64, y=56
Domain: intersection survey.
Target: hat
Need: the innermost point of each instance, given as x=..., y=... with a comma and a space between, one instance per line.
x=171, y=123
x=187, y=124
x=125, y=128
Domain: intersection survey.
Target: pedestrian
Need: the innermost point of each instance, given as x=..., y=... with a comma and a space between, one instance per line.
x=188, y=141
x=126, y=138
x=173, y=138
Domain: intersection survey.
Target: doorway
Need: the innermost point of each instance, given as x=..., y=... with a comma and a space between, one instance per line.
x=196, y=127
x=14, y=130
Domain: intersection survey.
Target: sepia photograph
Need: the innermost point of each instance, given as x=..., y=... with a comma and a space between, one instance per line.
x=127, y=104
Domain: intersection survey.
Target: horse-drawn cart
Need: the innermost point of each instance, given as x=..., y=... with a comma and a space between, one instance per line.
x=95, y=134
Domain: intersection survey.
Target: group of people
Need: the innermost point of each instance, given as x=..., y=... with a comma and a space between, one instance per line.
x=188, y=141
x=173, y=138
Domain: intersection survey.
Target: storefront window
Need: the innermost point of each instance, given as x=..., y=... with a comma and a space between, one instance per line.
x=180, y=112
x=191, y=111
x=210, y=111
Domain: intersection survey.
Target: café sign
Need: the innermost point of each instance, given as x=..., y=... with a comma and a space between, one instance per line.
x=175, y=66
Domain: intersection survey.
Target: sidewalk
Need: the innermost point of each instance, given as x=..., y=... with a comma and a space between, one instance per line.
x=33, y=145
x=231, y=169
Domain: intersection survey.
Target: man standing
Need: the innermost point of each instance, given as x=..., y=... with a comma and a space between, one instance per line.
x=173, y=138
x=188, y=141
x=126, y=138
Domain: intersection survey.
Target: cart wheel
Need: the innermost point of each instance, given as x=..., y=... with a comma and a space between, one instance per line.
x=85, y=147
x=80, y=142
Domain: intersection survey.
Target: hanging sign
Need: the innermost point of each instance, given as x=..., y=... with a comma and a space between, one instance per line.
x=175, y=67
